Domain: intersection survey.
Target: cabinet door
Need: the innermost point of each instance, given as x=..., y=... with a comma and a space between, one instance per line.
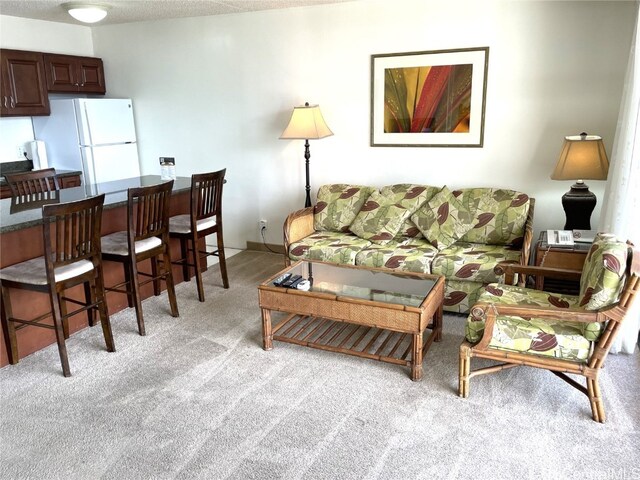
x=61, y=73
x=73, y=74
x=70, y=181
x=91, y=75
x=24, y=91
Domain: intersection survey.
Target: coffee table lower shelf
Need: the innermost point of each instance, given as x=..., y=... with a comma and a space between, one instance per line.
x=359, y=340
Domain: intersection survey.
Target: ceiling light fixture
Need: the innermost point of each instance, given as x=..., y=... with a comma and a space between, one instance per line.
x=86, y=12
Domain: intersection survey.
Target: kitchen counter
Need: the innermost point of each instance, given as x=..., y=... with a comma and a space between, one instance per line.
x=17, y=216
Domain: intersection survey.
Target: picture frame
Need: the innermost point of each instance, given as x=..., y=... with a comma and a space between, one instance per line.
x=429, y=99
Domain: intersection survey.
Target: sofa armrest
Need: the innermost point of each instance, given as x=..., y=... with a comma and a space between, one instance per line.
x=297, y=225
x=527, y=238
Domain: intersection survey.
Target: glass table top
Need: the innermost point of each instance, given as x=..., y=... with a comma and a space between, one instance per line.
x=364, y=284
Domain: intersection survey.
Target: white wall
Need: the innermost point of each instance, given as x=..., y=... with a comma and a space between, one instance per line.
x=23, y=34
x=217, y=92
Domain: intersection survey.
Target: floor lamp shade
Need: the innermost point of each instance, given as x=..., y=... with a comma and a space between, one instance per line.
x=582, y=157
x=306, y=123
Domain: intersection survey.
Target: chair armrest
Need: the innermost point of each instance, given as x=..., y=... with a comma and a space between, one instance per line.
x=528, y=235
x=510, y=269
x=297, y=225
x=491, y=311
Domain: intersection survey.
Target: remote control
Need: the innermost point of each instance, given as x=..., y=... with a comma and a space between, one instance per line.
x=304, y=285
x=295, y=283
x=281, y=279
x=289, y=282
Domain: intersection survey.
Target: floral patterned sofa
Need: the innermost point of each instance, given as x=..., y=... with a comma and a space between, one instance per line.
x=461, y=234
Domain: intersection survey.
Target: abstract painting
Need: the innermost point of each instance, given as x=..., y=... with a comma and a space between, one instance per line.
x=434, y=98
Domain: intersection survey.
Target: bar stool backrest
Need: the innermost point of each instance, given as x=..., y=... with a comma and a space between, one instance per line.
x=206, y=195
x=72, y=232
x=148, y=212
x=34, y=182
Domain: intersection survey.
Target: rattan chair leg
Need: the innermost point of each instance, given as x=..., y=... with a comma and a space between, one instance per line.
x=597, y=407
x=464, y=370
x=8, y=328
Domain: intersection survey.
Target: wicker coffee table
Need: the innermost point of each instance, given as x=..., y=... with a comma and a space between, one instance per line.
x=367, y=312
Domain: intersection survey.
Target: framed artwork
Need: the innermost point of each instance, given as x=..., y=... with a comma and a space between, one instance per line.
x=429, y=99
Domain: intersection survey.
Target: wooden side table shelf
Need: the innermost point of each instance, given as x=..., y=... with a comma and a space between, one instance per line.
x=570, y=257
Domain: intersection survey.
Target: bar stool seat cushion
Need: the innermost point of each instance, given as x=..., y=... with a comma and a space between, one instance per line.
x=33, y=272
x=182, y=223
x=116, y=244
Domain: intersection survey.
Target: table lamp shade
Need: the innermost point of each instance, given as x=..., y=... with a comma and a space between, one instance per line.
x=582, y=157
x=306, y=122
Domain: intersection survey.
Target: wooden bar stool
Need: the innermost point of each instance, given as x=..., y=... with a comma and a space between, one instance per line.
x=71, y=257
x=204, y=219
x=34, y=182
x=147, y=237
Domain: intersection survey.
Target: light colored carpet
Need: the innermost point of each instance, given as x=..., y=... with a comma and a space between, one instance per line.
x=199, y=398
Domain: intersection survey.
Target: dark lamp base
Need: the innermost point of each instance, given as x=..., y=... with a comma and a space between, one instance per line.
x=578, y=204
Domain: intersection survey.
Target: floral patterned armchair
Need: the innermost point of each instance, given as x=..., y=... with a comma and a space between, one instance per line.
x=561, y=333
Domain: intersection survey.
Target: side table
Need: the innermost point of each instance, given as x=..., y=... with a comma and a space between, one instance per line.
x=555, y=256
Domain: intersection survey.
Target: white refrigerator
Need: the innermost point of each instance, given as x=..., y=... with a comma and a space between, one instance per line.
x=94, y=135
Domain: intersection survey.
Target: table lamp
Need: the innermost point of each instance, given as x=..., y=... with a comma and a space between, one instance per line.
x=582, y=157
x=306, y=124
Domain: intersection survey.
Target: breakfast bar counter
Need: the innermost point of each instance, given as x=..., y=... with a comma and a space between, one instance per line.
x=21, y=239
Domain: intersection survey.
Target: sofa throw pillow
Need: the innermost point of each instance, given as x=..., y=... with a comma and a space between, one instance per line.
x=410, y=196
x=443, y=219
x=338, y=205
x=603, y=274
x=499, y=215
x=379, y=219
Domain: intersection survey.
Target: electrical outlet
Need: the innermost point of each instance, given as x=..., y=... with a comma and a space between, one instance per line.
x=21, y=152
x=262, y=226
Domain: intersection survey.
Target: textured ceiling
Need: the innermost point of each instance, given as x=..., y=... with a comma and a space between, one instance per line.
x=142, y=10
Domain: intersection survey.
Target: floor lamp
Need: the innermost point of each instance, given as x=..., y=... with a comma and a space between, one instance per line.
x=582, y=157
x=306, y=124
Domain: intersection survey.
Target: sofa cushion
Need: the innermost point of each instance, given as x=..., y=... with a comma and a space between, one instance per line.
x=499, y=215
x=410, y=196
x=411, y=254
x=460, y=296
x=332, y=247
x=547, y=337
x=473, y=262
x=603, y=273
x=338, y=205
x=379, y=219
x=443, y=219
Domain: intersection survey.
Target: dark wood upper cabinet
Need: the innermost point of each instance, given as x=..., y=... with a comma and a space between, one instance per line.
x=72, y=74
x=23, y=82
